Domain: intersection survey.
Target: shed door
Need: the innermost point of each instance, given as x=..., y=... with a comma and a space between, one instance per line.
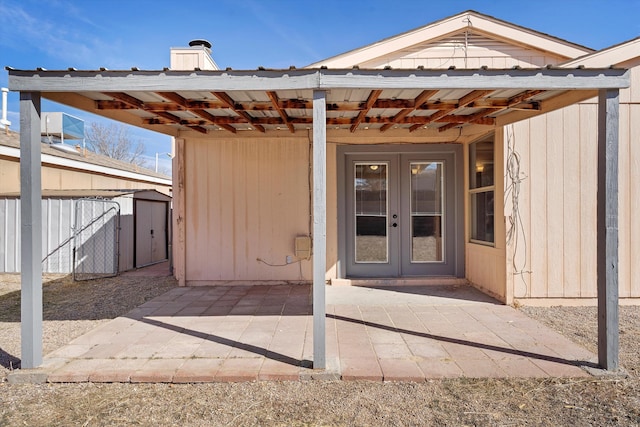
x=151, y=232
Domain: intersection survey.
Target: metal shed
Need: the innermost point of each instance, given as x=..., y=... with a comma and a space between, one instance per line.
x=110, y=230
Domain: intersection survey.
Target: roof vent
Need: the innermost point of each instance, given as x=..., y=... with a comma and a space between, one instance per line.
x=200, y=42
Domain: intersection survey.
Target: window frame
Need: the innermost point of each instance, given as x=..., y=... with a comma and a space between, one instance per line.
x=479, y=190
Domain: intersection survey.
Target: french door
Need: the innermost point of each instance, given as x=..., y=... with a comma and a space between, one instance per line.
x=400, y=215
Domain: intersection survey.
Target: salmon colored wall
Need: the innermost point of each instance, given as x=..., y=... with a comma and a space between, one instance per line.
x=9, y=175
x=556, y=250
x=245, y=200
x=485, y=265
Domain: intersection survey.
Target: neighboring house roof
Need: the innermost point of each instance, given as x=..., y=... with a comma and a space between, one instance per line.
x=87, y=161
x=479, y=24
x=102, y=194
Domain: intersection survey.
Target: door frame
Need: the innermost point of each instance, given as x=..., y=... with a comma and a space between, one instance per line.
x=451, y=153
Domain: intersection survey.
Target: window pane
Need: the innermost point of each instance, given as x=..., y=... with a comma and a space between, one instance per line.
x=426, y=188
x=482, y=216
x=426, y=238
x=371, y=239
x=371, y=212
x=426, y=211
x=481, y=164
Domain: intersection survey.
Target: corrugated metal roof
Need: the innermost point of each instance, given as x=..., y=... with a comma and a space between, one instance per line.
x=356, y=99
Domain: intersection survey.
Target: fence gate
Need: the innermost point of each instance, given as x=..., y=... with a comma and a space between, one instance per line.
x=95, y=239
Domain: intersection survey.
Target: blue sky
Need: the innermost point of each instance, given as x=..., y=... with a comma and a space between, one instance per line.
x=119, y=34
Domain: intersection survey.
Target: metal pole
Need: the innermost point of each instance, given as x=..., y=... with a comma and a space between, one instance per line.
x=31, y=230
x=319, y=228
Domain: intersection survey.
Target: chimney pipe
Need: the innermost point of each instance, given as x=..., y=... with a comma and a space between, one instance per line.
x=4, y=123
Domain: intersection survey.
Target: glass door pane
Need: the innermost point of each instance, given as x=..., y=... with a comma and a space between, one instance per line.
x=371, y=212
x=427, y=244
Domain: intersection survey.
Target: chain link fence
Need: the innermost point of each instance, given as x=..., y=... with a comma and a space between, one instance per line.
x=95, y=239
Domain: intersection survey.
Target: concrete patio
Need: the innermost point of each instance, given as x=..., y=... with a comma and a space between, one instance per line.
x=264, y=332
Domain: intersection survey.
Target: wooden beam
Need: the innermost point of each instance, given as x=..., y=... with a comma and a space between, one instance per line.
x=472, y=96
x=283, y=114
x=174, y=97
x=417, y=102
x=198, y=129
x=31, y=230
x=226, y=99
x=160, y=106
x=371, y=99
x=607, y=229
x=476, y=118
x=200, y=112
x=432, y=118
x=480, y=119
x=126, y=98
x=319, y=228
x=170, y=117
x=515, y=100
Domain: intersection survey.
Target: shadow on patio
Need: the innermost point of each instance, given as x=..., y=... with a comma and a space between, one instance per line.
x=245, y=333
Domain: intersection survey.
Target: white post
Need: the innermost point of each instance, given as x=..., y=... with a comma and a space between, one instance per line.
x=319, y=227
x=31, y=229
x=156, y=162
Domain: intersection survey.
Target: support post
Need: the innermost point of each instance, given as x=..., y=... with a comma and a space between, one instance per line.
x=319, y=227
x=179, y=212
x=607, y=228
x=31, y=230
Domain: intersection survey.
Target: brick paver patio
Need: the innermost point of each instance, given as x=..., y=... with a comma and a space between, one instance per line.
x=264, y=332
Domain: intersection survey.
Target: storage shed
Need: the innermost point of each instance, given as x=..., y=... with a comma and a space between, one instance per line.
x=109, y=230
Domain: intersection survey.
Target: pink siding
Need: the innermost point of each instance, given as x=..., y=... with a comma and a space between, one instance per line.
x=559, y=158
x=245, y=201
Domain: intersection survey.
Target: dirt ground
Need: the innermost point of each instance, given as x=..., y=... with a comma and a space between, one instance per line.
x=70, y=309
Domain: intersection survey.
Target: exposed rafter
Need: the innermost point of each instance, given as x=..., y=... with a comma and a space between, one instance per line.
x=417, y=102
x=371, y=99
x=226, y=99
x=200, y=112
x=283, y=114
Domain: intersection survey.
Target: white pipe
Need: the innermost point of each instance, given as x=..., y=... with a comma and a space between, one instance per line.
x=4, y=122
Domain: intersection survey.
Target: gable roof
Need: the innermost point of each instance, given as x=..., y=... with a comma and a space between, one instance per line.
x=611, y=56
x=482, y=25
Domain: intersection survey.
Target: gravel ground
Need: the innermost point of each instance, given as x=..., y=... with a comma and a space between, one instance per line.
x=73, y=308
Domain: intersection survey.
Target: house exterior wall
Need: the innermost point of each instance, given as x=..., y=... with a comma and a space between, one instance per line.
x=485, y=265
x=555, y=251
x=245, y=201
x=244, y=204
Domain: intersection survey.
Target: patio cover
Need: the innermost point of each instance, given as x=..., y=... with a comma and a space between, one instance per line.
x=416, y=105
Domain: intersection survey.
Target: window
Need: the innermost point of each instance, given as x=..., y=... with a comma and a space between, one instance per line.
x=482, y=190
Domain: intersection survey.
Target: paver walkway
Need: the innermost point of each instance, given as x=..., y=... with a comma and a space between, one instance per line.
x=264, y=332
